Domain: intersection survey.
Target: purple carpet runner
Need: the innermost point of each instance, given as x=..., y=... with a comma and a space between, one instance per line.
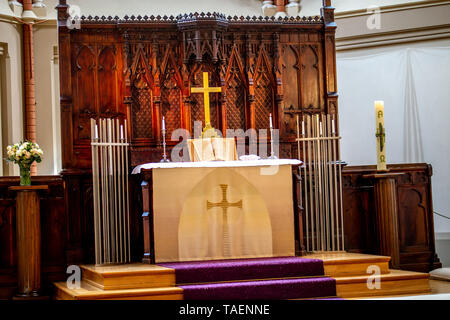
x=262, y=278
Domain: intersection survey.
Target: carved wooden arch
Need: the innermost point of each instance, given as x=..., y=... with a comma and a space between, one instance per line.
x=81, y=49
x=108, y=80
x=171, y=92
x=290, y=73
x=235, y=57
x=140, y=57
x=169, y=59
x=84, y=71
x=142, y=93
x=236, y=112
x=264, y=97
x=311, y=82
x=263, y=59
x=103, y=51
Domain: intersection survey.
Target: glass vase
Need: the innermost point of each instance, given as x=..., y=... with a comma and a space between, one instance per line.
x=25, y=175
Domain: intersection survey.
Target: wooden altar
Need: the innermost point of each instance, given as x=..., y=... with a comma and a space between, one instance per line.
x=278, y=220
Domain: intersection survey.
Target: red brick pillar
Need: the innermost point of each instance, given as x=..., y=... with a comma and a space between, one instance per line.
x=281, y=5
x=28, y=67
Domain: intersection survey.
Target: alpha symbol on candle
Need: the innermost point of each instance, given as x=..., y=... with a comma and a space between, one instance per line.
x=380, y=114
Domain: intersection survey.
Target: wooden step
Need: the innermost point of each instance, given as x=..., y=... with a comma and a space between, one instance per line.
x=89, y=292
x=343, y=264
x=152, y=282
x=396, y=282
x=129, y=276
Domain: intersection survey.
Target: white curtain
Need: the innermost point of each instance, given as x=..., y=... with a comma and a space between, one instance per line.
x=415, y=85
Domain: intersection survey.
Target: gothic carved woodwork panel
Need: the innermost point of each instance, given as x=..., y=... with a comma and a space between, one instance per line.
x=85, y=91
x=263, y=102
x=357, y=212
x=235, y=105
x=413, y=224
x=236, y=110
x=264, y=92
x=171, y=102
x=330, y=63
x=291, y=91
x=7, y=233
x=95, y=91
x=53, y=226
x=118, y=70
x=107, y=81
x=311, y=79
x=141, y=96
x=201, y=42
x=142, y=110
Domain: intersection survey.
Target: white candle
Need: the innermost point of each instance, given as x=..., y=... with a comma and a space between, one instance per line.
x=163, y=124
x=271, y=126
x=96, y=132
x=121, y=132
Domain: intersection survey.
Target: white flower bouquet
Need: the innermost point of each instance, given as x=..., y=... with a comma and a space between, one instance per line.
x=24, y=154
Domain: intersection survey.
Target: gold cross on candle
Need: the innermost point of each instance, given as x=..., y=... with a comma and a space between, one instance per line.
x=208, y=130
x=381, y=136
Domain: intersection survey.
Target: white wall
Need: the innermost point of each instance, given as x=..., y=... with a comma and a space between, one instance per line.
x=312, y=7
x=167, y=7
x=47, y=107
x=12, y=89
x=413, y=80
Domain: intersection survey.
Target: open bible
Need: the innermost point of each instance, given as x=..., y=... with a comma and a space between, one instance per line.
x=212, y=149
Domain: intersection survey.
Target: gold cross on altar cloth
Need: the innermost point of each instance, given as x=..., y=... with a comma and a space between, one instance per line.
x=208, y=130
x=224, y=204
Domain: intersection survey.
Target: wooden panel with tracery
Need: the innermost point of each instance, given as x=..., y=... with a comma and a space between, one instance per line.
x=171, y=102
x=235, y=105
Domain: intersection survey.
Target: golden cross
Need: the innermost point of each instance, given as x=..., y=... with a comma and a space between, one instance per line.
x=206, y=90
x=224, y=204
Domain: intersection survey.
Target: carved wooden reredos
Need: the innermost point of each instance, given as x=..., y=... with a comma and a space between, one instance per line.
x=142, y=68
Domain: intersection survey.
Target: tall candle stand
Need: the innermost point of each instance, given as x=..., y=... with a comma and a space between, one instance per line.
x=164, y=159
x=272, y=153
x=385, y=197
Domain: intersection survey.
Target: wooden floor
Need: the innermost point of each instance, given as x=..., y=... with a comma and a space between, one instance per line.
x=151, y=282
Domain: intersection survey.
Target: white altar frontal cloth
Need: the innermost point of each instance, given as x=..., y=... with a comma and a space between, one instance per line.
x=222, y=209
x=216, y=164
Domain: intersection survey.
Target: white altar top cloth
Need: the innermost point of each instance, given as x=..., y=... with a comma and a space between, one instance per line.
x=216, y=164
